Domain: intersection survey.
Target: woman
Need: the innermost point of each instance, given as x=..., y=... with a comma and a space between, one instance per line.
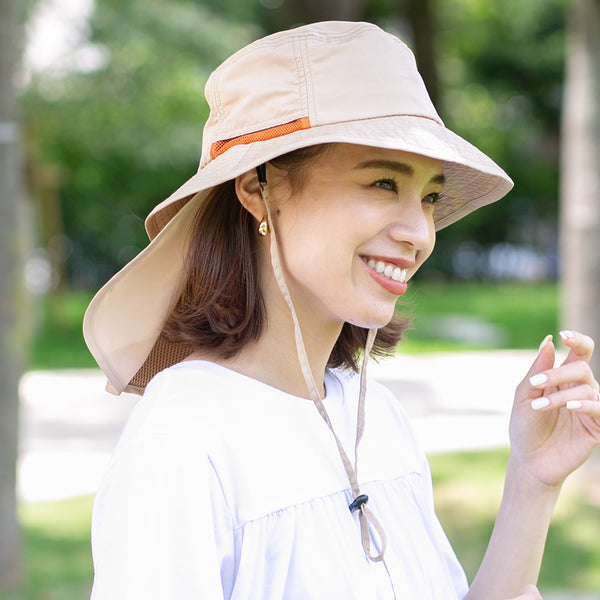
x=324, y=175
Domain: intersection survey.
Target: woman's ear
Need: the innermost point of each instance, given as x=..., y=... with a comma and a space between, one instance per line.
x=247, y=190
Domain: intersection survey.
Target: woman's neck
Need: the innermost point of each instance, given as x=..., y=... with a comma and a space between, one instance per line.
x=273, y=359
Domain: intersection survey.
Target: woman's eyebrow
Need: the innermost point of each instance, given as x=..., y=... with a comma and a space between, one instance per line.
x=394, y=165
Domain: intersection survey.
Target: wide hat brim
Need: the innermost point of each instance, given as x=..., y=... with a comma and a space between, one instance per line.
x=125, y=318
x=472, y=179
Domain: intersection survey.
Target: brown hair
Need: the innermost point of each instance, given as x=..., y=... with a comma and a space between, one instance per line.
x=221, y=307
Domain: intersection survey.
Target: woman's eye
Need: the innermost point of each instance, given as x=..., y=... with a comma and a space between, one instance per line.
x=432, y=198
x=387, y=184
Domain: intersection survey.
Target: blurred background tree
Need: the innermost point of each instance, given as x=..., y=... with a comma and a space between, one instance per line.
x=501, y=68
x=118, y=132
x=580, y=168
x=580, y=182
x=110, y=138
x=13, y=342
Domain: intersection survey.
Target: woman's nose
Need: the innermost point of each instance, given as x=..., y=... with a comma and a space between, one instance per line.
x=413, y=225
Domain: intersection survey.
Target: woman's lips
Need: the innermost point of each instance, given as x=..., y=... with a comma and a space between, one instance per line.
x=388, y=275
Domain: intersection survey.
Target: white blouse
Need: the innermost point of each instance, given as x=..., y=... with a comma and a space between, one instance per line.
x=224, y=487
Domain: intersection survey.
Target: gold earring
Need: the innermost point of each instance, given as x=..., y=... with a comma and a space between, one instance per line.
x=263, y=228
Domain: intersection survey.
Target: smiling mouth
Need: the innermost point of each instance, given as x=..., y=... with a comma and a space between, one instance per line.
x=388, y=270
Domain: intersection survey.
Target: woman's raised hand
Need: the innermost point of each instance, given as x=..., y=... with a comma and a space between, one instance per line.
x=555, y=423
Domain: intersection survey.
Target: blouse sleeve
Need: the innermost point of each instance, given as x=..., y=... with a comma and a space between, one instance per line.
x=161, y=526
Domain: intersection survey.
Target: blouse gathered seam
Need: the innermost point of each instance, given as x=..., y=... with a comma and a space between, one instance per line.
x=312, y=500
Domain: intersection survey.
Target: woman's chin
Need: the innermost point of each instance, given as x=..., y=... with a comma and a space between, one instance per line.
x=375, y=319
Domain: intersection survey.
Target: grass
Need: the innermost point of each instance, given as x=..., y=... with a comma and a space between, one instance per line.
x=467, y=488
x=467, y=505
x=56, y=541
x=459, y=315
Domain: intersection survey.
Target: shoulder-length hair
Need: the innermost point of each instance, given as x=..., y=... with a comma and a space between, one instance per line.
x=221, y=307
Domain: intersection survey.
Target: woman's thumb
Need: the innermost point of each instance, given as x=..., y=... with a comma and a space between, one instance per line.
x=545, y=358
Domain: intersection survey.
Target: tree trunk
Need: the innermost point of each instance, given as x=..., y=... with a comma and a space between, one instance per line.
x=11, y=298
x=580, y=172
x=420, y=14
x=580, y=182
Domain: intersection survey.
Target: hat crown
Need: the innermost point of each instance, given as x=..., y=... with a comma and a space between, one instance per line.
x=323, y=73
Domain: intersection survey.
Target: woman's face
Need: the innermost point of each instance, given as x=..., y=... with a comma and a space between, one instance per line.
x=356, y=232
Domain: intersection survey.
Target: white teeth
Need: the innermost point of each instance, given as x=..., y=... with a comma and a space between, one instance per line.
x=399, y=275
x=388, y=270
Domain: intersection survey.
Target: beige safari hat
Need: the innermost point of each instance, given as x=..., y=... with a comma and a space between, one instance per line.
x=320, y=83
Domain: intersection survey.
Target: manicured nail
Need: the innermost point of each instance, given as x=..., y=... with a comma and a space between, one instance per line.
x=566, y=335
x=545, y=341
x=540, y=403
x=538, y=379
x=573, y=404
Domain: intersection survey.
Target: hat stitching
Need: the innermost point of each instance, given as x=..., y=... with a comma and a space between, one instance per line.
x=309, y=89
x=301, y=58
x=303, y=54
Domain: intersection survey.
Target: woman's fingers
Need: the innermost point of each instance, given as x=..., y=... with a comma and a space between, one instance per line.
x=544, y=361
x=581, y=398
x=571, y=385
x=581, y=347
x=569, y=373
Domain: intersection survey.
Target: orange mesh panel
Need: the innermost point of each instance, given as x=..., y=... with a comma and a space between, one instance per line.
x=259, y=136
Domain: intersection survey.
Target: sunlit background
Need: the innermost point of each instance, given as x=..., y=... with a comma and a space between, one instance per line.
x=111, y=112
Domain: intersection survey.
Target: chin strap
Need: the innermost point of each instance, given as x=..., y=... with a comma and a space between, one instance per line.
x=359, y=503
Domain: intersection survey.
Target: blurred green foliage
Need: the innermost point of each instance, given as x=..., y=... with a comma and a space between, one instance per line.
x=124, y=132
x=58, y=343
x=58, y=562
x=501, y=65
x=486, y=315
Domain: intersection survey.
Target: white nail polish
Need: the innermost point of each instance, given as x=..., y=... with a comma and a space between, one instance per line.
x=540, y=403
x=566, y=335
x=573, y=404
x=538, y=379
x=545, y=341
